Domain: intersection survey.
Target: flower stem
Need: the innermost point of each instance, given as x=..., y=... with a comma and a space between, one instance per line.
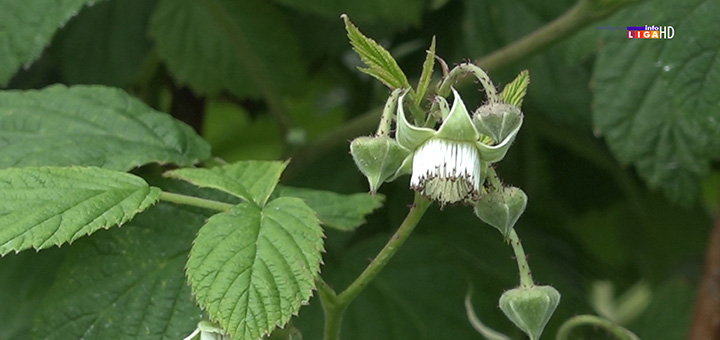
x=526, y=280
x=463, y=69
x=195, y=201
x=388, y=113
x=618, y=331
x=334, y=305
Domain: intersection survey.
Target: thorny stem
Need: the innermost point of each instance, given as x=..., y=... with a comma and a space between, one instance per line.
x=388, y=113
x=467, y=68
x=334, y=305
x=195, y=201
x=526, y=280
x=591, y=320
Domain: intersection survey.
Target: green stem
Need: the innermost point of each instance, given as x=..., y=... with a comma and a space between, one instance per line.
x=618, y=331
x=195, y=201
x=580, y=15
x=334, y=305
x=388, y=113
x=463, y=69
x=526, y=280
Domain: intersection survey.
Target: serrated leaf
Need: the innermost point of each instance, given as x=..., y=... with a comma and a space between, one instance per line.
x=514, y=92
x=381, y=64
x=343, y=212
x=253, y=181
x=126, y=284
x=91, y=126
x=244, y=47
x=26, y=27
x=112, y=36
x=656, y=104
x=42, y=207
x=426, y=75
x=252, y=268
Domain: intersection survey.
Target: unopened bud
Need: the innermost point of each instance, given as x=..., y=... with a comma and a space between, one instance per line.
x=530, y=308
x=378, y=158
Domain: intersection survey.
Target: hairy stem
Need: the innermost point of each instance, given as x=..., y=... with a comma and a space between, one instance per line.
x=195, y=201
x=526, y=280
x=591, y=320
x=334, y=305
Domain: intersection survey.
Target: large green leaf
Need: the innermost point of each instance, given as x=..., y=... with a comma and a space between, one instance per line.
x=48, y=206
x=252, y=268
x=26, y=27
x=243, y=47
x=24, y=281
x=91, y=125
x=343, y=212
x=126, y=284
x=253, y=181
x=112, y=36
x=656, y=102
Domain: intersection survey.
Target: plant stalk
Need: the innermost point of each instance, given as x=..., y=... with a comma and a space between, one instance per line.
x=195, y=201
x=334, y=305
x=526, y=280
x=591, y=320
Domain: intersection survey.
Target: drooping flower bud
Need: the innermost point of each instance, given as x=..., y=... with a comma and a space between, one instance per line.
x=498, y=120
x=530, y=308
x=378, y=158
x=502, y=209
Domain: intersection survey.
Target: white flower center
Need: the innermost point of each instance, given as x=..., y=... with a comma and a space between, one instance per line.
x=446, y=171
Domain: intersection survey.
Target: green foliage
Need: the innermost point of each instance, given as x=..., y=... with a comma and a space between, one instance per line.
x=252, y=181
x=49, y=206
x=253, y=50
x=91, y=125
x=381, y=64
x=113, y=38
x=127, y=284
x=342, y=212
x=661, y=114
x=26, y=27
x=514, y=92
x=251, y=268
x=396, y=12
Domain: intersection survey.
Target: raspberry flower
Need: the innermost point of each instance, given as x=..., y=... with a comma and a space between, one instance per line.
x=449, y=165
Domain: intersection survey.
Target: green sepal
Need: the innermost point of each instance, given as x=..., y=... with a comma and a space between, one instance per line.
x=502, y=209
x=409, y=136
x=458, y=126
x=495, y=153
x=514, y=93
x=530, y=308
x=498, y=120
x=378, y=158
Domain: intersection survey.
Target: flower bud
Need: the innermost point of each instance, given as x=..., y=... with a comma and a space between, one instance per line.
x=378, y=158
x=502, y=209
x=530, y=308
x=498, y=120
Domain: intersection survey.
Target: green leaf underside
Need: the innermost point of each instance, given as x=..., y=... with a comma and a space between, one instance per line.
x=91, y=126
x=218, y=45
x=252, y=269
x=659, y=101
x=26, y=27
x=253, y=181
x=47, y=206
x=426, y=75
x=343, y=212
x=381, y=64
x=126, y=284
